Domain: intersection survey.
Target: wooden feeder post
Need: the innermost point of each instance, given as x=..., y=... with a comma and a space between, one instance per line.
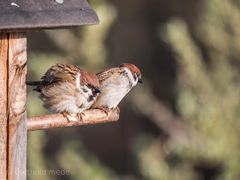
x=16, y=18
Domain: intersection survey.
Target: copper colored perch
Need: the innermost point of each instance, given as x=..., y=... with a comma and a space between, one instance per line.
x=92, y=116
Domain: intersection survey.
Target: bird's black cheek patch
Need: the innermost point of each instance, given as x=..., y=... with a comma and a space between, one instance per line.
x=90, y=98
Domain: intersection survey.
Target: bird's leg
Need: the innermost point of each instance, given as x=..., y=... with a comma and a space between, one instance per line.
x=69, y=117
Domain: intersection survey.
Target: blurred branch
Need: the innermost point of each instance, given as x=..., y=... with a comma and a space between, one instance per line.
x=162, y=116
x=92, y=116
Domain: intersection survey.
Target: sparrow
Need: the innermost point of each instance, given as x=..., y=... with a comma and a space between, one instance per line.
x=115, y=83
x=67, y=89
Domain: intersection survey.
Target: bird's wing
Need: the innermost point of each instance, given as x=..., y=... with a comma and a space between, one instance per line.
x=55, y=75
x=60, y=73
x=104, y=75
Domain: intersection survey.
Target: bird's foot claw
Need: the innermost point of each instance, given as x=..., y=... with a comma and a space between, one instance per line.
x=105, y=110
x=118, y=109
x=70, y=117
x=80, y=115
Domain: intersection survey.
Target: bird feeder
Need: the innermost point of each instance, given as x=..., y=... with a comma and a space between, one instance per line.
x=16, y=18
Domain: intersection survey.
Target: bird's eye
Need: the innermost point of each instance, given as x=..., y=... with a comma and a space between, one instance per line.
x=135, y=76
x=85, y=90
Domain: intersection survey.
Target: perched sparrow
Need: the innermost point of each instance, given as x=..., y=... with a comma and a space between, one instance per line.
x=115, y=83
x=67, y=89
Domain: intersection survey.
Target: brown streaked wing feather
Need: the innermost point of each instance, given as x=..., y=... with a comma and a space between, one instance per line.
x=61, y=73
x=102, y=76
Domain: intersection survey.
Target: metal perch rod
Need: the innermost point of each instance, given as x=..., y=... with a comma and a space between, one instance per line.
x=91, y=116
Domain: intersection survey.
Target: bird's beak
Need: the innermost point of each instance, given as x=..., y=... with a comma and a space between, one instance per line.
x=140, y=81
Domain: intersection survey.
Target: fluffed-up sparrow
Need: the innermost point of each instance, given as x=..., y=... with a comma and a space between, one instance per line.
x=115, y=83
x=67, y=89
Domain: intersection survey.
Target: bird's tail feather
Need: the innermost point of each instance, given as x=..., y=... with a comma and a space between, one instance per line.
x=33, y=83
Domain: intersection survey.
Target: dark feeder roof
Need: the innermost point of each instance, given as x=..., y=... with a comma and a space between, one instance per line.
x=18, y=15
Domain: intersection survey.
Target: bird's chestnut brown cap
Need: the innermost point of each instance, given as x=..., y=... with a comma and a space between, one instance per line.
x=90, y=79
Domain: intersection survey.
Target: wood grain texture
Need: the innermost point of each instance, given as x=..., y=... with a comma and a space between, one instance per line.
x=92, y=116
x=34, y=14
x=3, y=104
x=17, y=132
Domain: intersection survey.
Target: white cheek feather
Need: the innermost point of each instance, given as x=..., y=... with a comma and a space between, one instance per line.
x=130, y=76
x=78, y=86
x=78, y=80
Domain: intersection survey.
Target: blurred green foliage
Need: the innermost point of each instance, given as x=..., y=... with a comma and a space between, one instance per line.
x=209, y=84
x=207, y=52
x=208, y=88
